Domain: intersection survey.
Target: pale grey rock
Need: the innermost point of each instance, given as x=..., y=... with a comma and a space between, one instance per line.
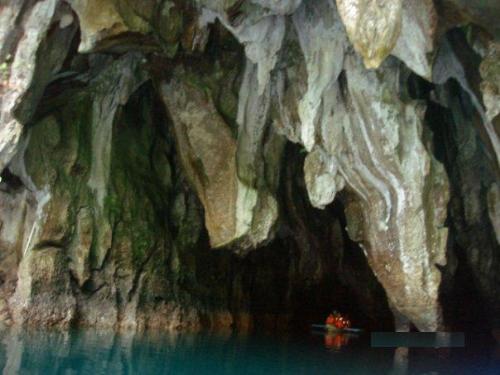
x=203, y=136
x=98, y=20
x=10, y=12
x=208, y=153
x=373, y=141
x=279, y=6
x=490, y=85
x=365, y=139
x=416, y=42
x=103, y=115
x=448, y=66
x=20, y=67
x=387, y=166
x=261, y=35
x=253, y=115
x=403, y=28
x=110, y=93
x=253, y=121
x=290, y=85
x=14, y=348
x=323, y=42
x=323, y=181
x=37, y=199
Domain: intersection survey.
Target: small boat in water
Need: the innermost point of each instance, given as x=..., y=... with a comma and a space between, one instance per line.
x=332, y=328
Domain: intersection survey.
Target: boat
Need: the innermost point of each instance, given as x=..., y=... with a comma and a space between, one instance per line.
x=331, y=328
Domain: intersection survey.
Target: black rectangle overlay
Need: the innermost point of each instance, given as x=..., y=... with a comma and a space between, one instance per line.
x=417, y=339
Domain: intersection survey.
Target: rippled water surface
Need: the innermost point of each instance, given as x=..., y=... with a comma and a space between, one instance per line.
x=103, y=352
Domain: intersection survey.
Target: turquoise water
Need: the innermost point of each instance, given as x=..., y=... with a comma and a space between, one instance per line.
x=102, y=352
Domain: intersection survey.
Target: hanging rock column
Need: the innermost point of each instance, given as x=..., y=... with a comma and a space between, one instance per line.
x=367, y=140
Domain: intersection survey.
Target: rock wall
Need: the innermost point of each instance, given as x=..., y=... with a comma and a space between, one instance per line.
x=121, y=123
x=105, y=230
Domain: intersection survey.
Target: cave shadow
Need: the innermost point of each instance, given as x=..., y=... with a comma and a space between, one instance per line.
x=318, y=240
x=310, y=268
x=464, y=305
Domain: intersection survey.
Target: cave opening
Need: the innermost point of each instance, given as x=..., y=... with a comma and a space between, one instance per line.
x=131, y=216
x=310, y=268
x=196, y=185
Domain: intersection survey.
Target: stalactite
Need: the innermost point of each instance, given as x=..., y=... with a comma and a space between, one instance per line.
x=102, y=203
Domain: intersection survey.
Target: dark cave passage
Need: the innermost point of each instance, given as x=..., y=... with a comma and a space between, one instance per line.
x=311, y=268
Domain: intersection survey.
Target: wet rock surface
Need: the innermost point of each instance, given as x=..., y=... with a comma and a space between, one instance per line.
x=210, y=164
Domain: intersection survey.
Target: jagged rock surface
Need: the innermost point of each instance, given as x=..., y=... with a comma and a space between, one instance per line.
x=372, y=26
x=95, y=214
x=389, y=170
x=474, y=249
x=23, y=77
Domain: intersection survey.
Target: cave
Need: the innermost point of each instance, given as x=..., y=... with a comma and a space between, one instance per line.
x=249, y=166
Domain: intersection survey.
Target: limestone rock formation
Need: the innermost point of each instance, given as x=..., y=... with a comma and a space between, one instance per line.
x=23, y=32
x=291, y=135
x=490, y=85
x=372, y=26
x=98, y=20
x=389, y=170
x=208, y=154
x=415, y=44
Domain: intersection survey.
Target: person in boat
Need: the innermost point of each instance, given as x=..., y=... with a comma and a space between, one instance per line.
x=330, y=320
x=344, y=322
x=336, y=321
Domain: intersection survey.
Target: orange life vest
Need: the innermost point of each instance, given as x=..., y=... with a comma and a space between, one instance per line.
x=330, y=320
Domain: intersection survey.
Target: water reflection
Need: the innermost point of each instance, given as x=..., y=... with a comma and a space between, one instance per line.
x=335, y=340
x=400, y=363
x=495, y=358
x=106, y=352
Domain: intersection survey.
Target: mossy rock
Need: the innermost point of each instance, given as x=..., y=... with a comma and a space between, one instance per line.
x=44, y=138
x=170, y=23
x=137, y=15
